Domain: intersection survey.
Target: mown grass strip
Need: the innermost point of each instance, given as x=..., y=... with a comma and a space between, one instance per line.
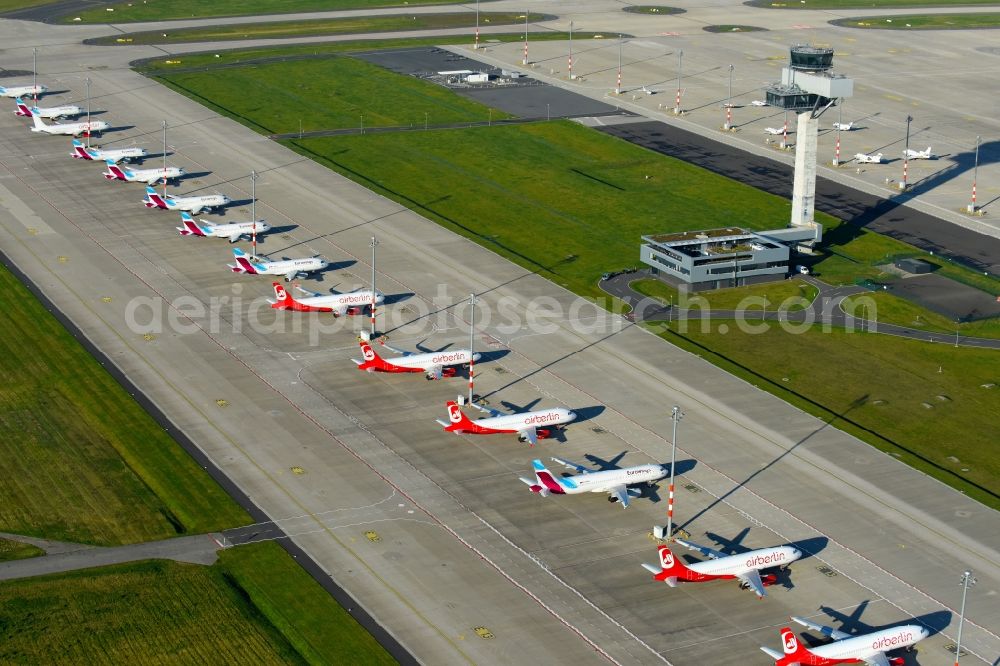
x=922, y=22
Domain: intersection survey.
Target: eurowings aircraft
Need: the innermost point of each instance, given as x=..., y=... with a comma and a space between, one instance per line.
x=339, y=304
x=82, y=152
x=616, y=482
x=22, y=109
x=743, y=566
x=233, y=230
x=434, y=365
x=289, y=268
x=22, y=91
x=148, y=176
x=69, y=129
x=870, y=648
x=193, y=205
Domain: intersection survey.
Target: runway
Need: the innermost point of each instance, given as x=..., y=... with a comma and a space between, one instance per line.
x=333, y=454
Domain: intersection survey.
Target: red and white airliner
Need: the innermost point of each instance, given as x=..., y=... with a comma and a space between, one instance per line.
x=525, y=424
x=744, y=566
x=339, y=304
x=616, y=482
x=868, y=649
x=434, y=365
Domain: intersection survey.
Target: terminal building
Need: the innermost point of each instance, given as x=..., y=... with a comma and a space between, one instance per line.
x=718, y=258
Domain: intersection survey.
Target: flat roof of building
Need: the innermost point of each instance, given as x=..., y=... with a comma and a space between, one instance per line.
x=694, y=236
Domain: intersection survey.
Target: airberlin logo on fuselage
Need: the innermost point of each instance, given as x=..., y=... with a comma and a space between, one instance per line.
x=548, y=417
x=763, y=560
x=888, y=642
x=448, y=358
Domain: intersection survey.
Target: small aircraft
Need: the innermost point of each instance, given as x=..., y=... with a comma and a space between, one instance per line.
x=22, y=91
x=233, y=230
x=846, y=649
x=912, y=154
x=290, y=268
x=744, y=566
x=434, y=365
x=523, y=423
x=864, y=158
x=844, y=127
x=72, y=129
x=193, y=205
x=82, y=152
x=339, y=304
x=758, y=102
x=148, y=176
x=22, y=109
x=646, y=90
x=776, y=131
x=615, y=482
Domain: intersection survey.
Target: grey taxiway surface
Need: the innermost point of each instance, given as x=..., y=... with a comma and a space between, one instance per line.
x=457, y=542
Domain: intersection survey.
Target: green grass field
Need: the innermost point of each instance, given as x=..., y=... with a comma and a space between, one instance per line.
x=340, y=26
x=12, y=5
x=15, y=550
x=160, y=10
x=793, y=295
x=923, y=22
x=923, y=402
x=83, y=461
x=256, y=606
x=331, y=93
x=866, y=4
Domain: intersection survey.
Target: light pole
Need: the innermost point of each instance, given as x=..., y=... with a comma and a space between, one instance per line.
x=784, y=132
x=729, y=99
x=975, y=177
x=660, y=532
x=677, y=102
x=967, y=582
x=374, y=244
x=164, y=125
x=87, y=83
x=618, y=88
x=472, y=340
x=840, y=124
x=253, y=210
x=476, y=45
x=906, y=154
x=34, y=74
x=570, y=50
x=525, y=60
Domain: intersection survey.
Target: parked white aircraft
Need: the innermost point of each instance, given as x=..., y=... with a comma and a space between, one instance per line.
x=148, y=176
x=70, y=129
x=864, y=158
x=845, y=648
x=22, y=91
x=290, y=268
x=22, y=109
x=912, y=154
x=615, y=482
x=525, y=424
x=744, y=566
x=339, y=304
x=434, y=365
x=193, y=205
x=844, y=127
x=777, y=131
x=82, y=152
x=233, y=230
x=758, y=102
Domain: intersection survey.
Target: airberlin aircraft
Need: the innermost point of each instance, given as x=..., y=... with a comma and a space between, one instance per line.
x=339, y=304
x=434, y=365
x=616, y=482
x=525, y=424
x=744, y=566
x=869, y=649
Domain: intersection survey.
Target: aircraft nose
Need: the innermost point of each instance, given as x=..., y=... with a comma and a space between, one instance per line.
x=796, y=553
x=571, y=416
x=476, y=356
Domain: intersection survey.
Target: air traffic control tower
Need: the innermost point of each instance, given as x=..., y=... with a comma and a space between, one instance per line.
x=809, y=88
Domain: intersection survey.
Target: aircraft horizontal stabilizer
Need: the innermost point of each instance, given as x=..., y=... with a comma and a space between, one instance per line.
x=773, y=654
x=651, y=568
x=357, y=362
x=446, y=424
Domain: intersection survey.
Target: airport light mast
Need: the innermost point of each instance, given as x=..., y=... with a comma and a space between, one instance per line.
x=164, y=125
x=967, y=582
x=34, y=77
x=253, y=210
x=373, y=244
x=525, y=60
x=809, y=88
x=87, y=83
x=975, y=177
x=668, y=531
x=472, y=341
x=680, y=63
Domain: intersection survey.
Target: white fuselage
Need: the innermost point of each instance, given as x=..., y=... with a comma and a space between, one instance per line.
x=116, y=154
x=23, y=91
x=233, y=228
x=57, y=111
x=287, y=266
x=607, y=480
x=430, y=360
x=863, y=647
x=515, y=422
x=151, y=176
x=196, y=204
x=754, y=560
x=73, y=129
x=353, y=299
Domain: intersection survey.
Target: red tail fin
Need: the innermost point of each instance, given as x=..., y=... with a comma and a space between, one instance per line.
x=283, y=298
x=23, y=111
x=372, y=360
x=671, y=565
x=458, y=419
x=794, y=651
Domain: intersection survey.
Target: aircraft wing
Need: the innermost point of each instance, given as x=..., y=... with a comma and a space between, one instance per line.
x=704, y=550
x=826, y=631
x=401, y=352
x=752, y=580
x=529, y=435
x=291, y=275
x=196, y=209
x=307, y=292
x=621, y=494
x=433, y=372
x=488, y=410
x=579, y=468
x=878, y=659
x=339, y=311
x=234, y=237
